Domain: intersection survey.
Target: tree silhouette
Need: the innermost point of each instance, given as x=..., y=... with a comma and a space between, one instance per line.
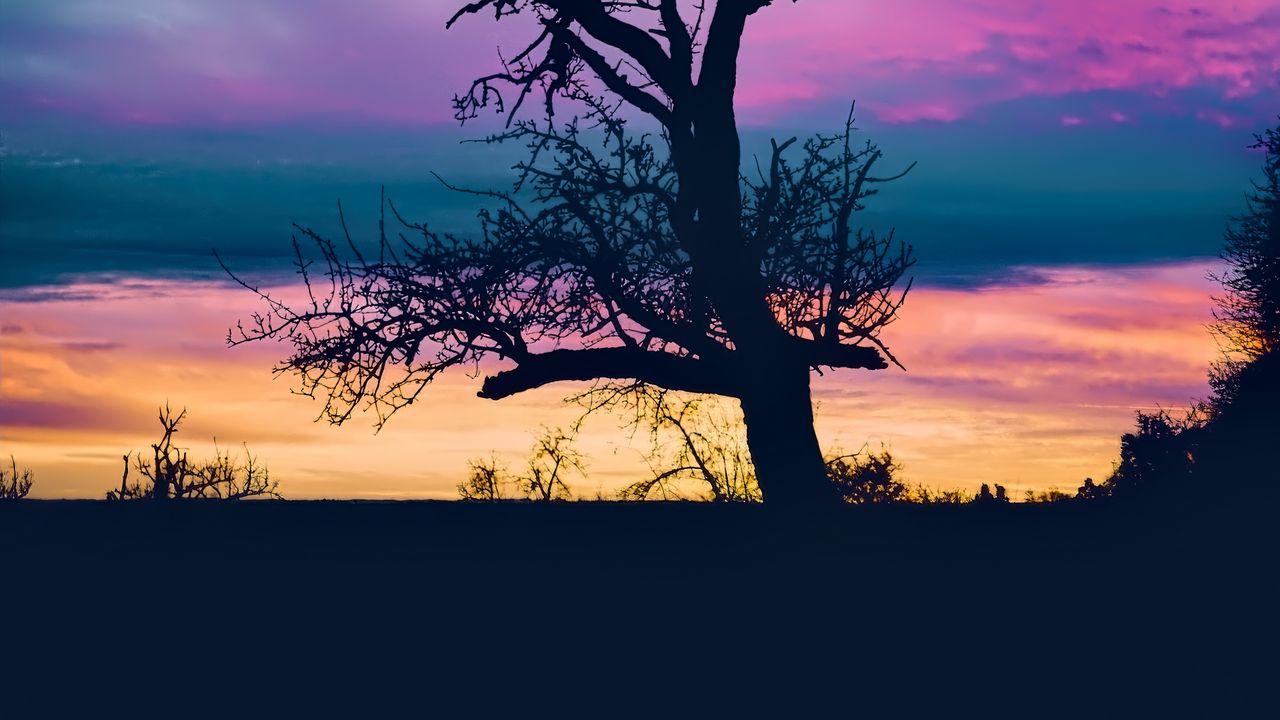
x=1248, y=316
x=172, y=475
x=617, y=256
x=1223, y=445
x=15, y=485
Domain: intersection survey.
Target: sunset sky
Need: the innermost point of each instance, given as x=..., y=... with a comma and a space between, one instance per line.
x=1078, y=161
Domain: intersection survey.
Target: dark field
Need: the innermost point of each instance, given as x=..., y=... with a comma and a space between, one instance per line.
x=300, y=609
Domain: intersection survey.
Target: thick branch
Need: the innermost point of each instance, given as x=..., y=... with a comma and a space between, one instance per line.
x=609, y=75
x=835, y=355
x=724, y=38
x=596, y=18
x=592, y=16
x=678, y=38
x=655, y=368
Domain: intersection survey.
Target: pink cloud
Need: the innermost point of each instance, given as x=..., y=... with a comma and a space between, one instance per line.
x=915, y=112
x=240, y=62
x=1219, y=118
x=919, y=52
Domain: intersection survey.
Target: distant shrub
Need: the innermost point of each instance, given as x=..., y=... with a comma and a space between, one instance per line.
x=986, y=497
x=15, y=485
x=927, y=496
x=1048, y=496
x=1092, y=491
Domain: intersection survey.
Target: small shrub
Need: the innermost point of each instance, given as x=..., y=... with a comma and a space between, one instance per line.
x=867, y=478
x=1049, y=496
x=926, y=496
x=15, y=485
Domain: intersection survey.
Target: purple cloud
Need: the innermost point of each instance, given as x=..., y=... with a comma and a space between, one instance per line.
x=236, y=62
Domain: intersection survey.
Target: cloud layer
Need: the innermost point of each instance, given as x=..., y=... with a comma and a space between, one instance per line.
x=236, y=62
x=934, y=60
x=1028, y=385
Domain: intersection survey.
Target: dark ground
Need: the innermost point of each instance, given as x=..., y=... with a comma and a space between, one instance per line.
x=301, y=609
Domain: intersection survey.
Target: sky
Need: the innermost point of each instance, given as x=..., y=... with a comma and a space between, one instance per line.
x=1078, y=161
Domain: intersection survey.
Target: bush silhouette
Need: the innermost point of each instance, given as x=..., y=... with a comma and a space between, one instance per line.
x=867, y=478
x=985, y=497
x=1090, y=490
x=932, y=496
x=1160, y=452
x=171, y=475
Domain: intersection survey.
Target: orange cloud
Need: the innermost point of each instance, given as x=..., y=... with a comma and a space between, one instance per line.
x=1026, y=385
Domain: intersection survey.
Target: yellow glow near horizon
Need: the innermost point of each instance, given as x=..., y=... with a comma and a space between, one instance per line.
x=1027, y=386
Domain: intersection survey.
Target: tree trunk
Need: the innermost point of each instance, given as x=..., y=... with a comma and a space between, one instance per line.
x=160, y=483
x=774, y=391
x=778, y=413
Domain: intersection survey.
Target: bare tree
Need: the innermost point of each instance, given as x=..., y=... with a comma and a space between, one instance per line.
x=618, y=256
x=552, y=462
x=15, y=485
x=554, y=459
x=697, y=447
x=487, y=480
x=171, y=475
